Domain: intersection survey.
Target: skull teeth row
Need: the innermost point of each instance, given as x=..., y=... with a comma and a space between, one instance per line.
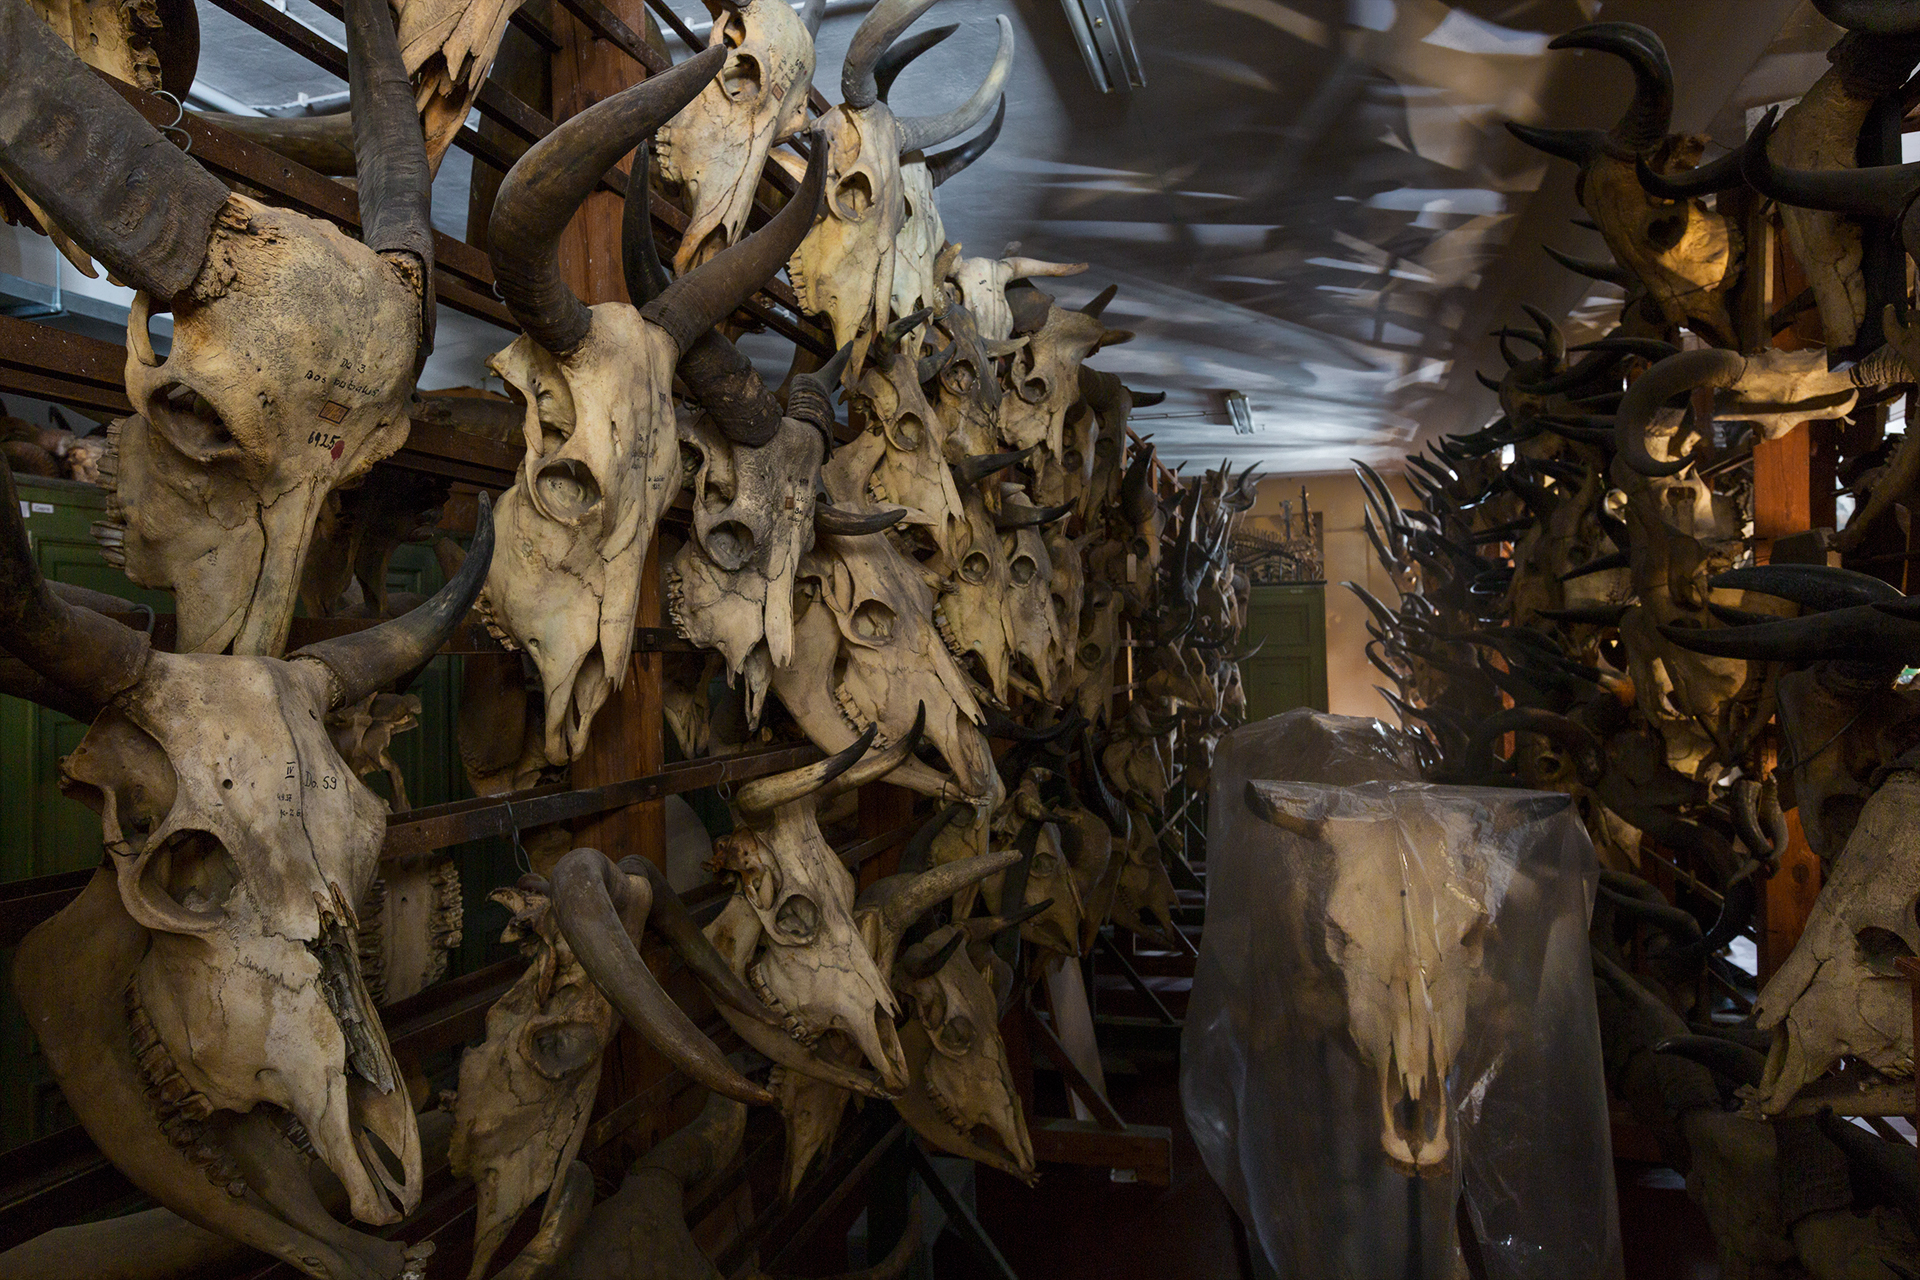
x=945, y=628
x=757, y=978
x=181, y=1109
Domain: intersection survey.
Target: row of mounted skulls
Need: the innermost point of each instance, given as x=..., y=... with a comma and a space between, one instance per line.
x=1644, y=664
x=210, y=1003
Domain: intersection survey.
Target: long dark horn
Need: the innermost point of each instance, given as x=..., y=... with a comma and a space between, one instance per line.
x=916, y=964
x=1883, y=191
x=878, y=30
x=1723, y=1057
x=918, y=854
x=709, y=293
x=1703, y=180
x=1847, y=634
x=1148, y=399
x=103, y=175
x=952, y=162
x=811, y=12
x=1603, y=271
x=902, y=55
x=1094, y=791
x=1879, y=1171
x=920, y=132
x=1814, y=587
x=76, y=651
x=913, y=896
x=585, y=888
x=1014, y=517
x=544, y=188
x=366, y=662
x=878, y=764
x=974, y=470
x=1098, y=306
x=1676, y=375
x=764, y=795
x=390, y=151
x=1136, y=488
x=640, y=263
x=828, y=518
x=1757, y=818
x=1871, y=17
x=1644, y=125
x=670, y=918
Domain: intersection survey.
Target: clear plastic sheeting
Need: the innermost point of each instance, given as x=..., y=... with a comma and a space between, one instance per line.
x=1393, y=1012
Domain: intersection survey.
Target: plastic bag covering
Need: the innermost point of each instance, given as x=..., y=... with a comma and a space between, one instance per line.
x=1393, y=1010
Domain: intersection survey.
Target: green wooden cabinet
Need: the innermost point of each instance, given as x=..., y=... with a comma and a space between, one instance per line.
x=1290, y=670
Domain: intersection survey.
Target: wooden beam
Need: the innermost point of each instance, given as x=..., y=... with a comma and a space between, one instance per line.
x=1147, y=1149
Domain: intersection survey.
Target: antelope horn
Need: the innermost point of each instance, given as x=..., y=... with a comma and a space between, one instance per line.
x=764, y=795
x=828, y=518
x=585, y=888
x=1553, y=344
x=892, y=335
x=721, y=379
x=101, y=173
x=1881, y=191
x=73, y=656
x=896, y=59
x=951, y=163
x=390, y=152
x=920, y=132
x=1817, y=588
x=538, y=198
x=1095, y=792
x=1673, y=376
x=1015, y=517
x=365, y=662
x=709, y=293
x=918, y=853
x=974, y=470
x=859, y=86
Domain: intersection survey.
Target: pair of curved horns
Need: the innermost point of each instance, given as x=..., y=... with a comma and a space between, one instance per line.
x=1644, y=123
x=838, y=772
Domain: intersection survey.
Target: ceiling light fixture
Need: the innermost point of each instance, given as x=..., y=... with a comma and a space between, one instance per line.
x=1239, y=413
x=1101, y=30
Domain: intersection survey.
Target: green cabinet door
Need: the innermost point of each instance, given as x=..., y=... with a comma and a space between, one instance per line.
x=1290, y=670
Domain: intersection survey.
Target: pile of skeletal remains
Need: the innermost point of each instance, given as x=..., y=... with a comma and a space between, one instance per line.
x=1579, y=611
x=971, y=557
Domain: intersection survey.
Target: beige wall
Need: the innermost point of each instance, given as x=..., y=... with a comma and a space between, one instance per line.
x=1350, y=558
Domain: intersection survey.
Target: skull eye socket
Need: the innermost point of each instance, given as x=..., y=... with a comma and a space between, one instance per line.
x=1880, y=949
x=873, y=621
x=1059, y=603
x=908, y=431
x=560, y=1049
x=1046, y=863
x=931, y=1004
x=191, y=423
x=974, y=566
x=797, y=920
x=568, y=490
x=193, y=869
x=1099, y=595
x=960, y=377
x=853, y=196
x=1024, y=568
x=959, y=1033
x=1139, y=548
x=1074, y=459
x=742, y=81
x=1090, y=655
x=729, y=543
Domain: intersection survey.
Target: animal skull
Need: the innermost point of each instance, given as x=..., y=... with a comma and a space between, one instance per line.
x=1045, y=377
x=983, y=287
x=717, y=146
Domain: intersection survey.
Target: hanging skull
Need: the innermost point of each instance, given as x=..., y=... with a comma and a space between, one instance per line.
x=966, y=384
x=1045, y=376
x=983, y=287
x=717, y=147
x=970, y=613
x=202, y=999
x=845, y=268
x=602, y=458
x=1033, y=630
x=294, y=348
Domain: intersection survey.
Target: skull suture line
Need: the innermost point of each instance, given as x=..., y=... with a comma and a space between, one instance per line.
x=207, y=980
x=294, y=349
x=602, y=459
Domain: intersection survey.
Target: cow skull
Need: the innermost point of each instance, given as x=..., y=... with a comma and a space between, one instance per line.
x=1045, y=376
x=217, y=949
x=983, y=287
x=717, y=147
x=295, y=347
x=602, y=457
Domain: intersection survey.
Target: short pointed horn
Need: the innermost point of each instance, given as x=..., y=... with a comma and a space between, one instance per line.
x=1098, y=306
x=902, y=55
x=918, y=853
x=951, y=163
x=79, y=653
x=828, y=518
x=547, y=184
x=1014, y=517
x=916, y=895
x=710, y=292
x=1871, y=17
x=920, y=132
x=764, y=795
x=811, y=12
x=974, y=470
x=1708, y=179
x=394, y=180
x=101, y=173
x=366, y=662
x=859, y=88
x=584, y=883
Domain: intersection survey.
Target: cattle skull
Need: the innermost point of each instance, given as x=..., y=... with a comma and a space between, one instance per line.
x=1045, y=375
x=983, y=287
x=217, y=949
x=294, y=348
x=602, y=457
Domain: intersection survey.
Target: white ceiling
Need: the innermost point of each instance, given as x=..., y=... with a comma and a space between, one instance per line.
x=1311, y=202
